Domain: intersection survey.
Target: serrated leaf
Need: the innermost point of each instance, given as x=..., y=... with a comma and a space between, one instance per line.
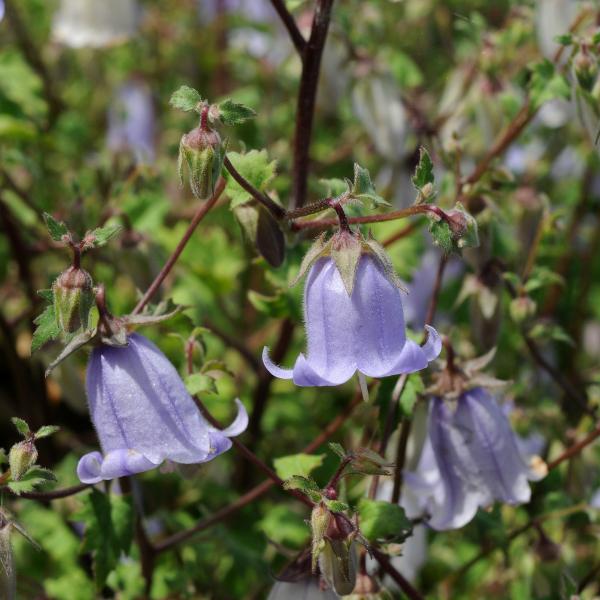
x=197, y=383
x=56, y=229
x=102, y=235
x=21, y=425
x=45, y=431
x=363, y=188
x=424, y=170
x=232, y=113
x=185, y=98
x=381, y=520
x=34, y=477
x=306, y=485
x=297, y=464
x=47, y=295
x=337, y=449
x=46, y=328
x=108, y=522
x=255, y=167
x=336, y=505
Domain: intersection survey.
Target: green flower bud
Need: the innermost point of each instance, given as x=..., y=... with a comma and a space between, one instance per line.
x=463, y=227
x=522, y=309
x=21, y=457
x=202, y=151
x=73, y=299
x=586, y=70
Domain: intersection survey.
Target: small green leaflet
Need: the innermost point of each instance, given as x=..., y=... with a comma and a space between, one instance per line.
x=424, y=171
x=45, y=431
x=108, y=530
x=185, y=98
x=337, y=449
x=336, y=505
x=199, y=383
x=102, y=235
x=363, y=188
x=232, y=113
x=35, y=477
x=56, y=229
x=46, y=328
x=306, y=485
x=21, y=426
x=546, y=84
x=381, y=520
x=255, y=167
x=297, y=464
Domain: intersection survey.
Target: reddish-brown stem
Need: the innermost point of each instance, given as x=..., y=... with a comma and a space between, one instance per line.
x=417, y=209
x=277, y=211
x=403, y=583
x=341, y=215
x=575, y=448
x=307, y=93
x=204, y=117
x=290, y=24
x=54, y=494
x=200, y=214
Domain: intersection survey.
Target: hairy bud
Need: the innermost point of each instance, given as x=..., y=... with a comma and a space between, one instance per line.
x=21, y=457
x=203, y=153
x=73, y=299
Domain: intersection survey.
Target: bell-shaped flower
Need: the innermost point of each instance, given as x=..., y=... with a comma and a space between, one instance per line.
x=144, y=415
x=470, y=459
x=131, y=121
x=90, y=23
x=357, y=327
x=1, y=9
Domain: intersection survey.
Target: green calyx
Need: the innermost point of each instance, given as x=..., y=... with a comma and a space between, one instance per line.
x=73, y=299
x=346, y=248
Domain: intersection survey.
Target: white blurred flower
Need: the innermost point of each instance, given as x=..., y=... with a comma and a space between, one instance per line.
x=306, y=589
x=553, y=18
x=93, y=23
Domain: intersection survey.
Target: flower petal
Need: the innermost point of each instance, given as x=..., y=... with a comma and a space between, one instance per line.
x=89, y=466
x=306, y=375
x=274, y=369
x=239, y=423
x=123, y=462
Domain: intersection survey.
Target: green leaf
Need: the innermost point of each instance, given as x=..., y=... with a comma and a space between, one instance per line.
x=306, y=485
x=336, y=505
x=47, y=328
x=232, y=113
x=108, y=524
x=381, y=520
x=56, y=229
x=413, y=387
x=297, y=464
x=47, y=295
x=102, y=235
x=547, y=84
x=337, y=449
x=21, y=425
x=255, y=167
x=200, y=384
x=335, y=187
x=185, y=98
x=45, y=431
x=35, y=477
x=363, y=188
x=74, y=344
x=424, y=171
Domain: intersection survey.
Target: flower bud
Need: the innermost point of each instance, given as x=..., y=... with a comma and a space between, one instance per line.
x=21, y=457
x=463, y=227
x=202, y=151
x=319, y=524
x=522, y=308
x=586, y=70
x=73, y=299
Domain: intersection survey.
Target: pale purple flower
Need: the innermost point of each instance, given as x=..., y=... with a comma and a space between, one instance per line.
x=1, y=10
x=144, y=415
x=470, y=459
x=131, y=121
x=363, y=332
x=595, y=500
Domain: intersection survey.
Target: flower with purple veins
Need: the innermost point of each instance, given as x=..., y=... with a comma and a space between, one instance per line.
x=144, y=415
x=470, y=459
x=361, y=329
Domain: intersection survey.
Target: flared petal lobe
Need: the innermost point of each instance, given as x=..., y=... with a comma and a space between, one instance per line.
x=144, y=415
x=364, y=331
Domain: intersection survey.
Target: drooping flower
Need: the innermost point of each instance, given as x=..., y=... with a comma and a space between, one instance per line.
x=81, y=23
x=470, y=459
x=131, y=121
x=1, y=9
x=354, y=319
x=144, y=415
